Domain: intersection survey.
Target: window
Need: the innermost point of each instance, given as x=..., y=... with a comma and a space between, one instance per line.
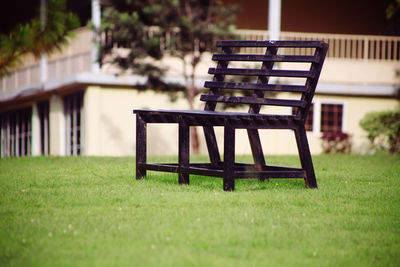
x=43, y=108
x=16, y=136
x=73, y=105
x=331, y=118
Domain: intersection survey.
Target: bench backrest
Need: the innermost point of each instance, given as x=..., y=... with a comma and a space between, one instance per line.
x=296, y=64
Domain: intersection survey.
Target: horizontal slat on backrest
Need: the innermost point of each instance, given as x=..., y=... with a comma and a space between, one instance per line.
x=256, y=86
x=261, y=72
x=296, y=59
x=270, y=43
x=253, y=100
x=252, y=57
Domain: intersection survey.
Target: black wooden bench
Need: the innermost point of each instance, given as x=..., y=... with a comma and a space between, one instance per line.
x=255, y=93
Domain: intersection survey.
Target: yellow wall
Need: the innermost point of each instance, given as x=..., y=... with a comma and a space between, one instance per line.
x=110, y=124
x=57, y=126
x=354, y=110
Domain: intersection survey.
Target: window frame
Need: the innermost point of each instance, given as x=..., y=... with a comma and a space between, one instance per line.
x=74, y=124
x=44, y=122
x=318, y=112
x=16, y=133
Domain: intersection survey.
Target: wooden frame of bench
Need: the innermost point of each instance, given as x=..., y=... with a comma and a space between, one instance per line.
x=228, y=169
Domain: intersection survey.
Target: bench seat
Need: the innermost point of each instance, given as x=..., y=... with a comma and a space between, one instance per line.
x=242, y=120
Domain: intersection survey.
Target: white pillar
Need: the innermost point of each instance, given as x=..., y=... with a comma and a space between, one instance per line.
x=274, y=19
x=96, y=20
x=57, y=126
x=43, y=68
x=35, y=131
x=43, y=57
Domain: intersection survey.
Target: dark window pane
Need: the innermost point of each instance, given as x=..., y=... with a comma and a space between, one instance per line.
x=331, y=117
x=73, y=107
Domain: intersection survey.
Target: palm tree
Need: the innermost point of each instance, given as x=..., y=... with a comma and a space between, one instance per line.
x=37, y=37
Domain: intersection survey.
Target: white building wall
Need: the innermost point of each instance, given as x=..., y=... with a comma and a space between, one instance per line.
x=92, y=130
x=35, y=131
x=110, y=124
x=354, y=109
x=57, y=126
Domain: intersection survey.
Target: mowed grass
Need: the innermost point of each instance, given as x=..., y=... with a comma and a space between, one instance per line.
x=82, y=211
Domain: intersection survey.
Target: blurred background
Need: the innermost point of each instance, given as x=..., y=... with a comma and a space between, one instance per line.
x=73, y=71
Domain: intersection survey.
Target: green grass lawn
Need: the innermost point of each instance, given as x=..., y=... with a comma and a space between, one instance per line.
x=92, y=212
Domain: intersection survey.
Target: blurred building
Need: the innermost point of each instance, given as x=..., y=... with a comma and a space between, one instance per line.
x=82, y=109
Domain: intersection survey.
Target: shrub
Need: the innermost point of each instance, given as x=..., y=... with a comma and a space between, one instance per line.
x=336, y=143
x=383, y=129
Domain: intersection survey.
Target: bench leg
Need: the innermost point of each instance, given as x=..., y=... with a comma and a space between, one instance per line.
x=212, y=146
x=140, y=147
x=229, y=158
x=305, y=157
x=256, y=149
x=183, y=152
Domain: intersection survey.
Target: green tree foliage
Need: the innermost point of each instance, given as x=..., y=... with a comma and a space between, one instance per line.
x=393, y=17
x=393, y=8
x=143, y=26
x=35, y=38
x=383, y=129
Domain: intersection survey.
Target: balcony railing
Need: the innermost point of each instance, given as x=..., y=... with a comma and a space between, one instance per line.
x=56, y=68
x=341, y=46
x=77, y=57
x=72, y=59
